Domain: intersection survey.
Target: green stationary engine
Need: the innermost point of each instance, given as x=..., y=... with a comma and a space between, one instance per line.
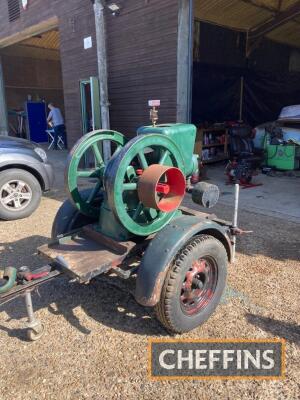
x=124, y=217
x=141, y=187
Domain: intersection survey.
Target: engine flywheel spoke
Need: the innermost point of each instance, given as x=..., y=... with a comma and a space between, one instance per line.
x=92, y=173
x=138, y=211
x=123, y=176
x=129, y=186
x=94, y=192
x=98, y=155
x=80, y=155
x=142, y=159
x=164, y=157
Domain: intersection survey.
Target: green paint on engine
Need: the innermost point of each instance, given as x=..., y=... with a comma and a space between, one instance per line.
x=183, y=135
x=114, y=197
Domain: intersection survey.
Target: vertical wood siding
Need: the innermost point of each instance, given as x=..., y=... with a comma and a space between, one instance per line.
x=142, y=56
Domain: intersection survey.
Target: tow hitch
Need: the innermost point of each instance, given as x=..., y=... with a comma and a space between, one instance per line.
x=22, y=283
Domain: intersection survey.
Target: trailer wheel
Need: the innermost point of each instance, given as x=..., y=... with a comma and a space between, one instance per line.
x=193, y=285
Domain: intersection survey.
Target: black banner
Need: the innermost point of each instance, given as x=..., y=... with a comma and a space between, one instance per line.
x=217, y=91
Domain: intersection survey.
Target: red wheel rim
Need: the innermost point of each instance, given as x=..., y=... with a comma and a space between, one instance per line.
x=198, y=286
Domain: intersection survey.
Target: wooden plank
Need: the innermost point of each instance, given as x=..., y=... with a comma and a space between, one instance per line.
x=278, y=19
x=16, y=37
x=82, y=257
x=98, y=237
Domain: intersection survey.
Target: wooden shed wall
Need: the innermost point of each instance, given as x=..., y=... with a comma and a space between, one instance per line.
x=22, y=77
x=77, y=63
x=142, y=56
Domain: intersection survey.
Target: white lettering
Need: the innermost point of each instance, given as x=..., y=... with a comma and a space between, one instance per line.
x=162, y=361
x=255, y=361
x=212, y=358
x=182, y=359
x=199, y=359
x=226, y=358
x=239, y=359
x=270, y=360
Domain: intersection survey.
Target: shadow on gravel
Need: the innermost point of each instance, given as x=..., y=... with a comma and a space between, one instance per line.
x=272, y=237
x=21, y=252
x=103, y=300
x=107, y=299
x=56, y=194
x=282, y=246
x=285, y=330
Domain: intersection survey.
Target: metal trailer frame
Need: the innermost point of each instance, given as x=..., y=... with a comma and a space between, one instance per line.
x=75, y=254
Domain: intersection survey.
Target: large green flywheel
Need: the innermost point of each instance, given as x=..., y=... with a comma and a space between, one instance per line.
x=85, y=169
x=156, y=154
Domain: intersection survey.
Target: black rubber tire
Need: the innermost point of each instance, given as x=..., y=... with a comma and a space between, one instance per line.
x=15, y=174
x=69, y=218
x=168, y=310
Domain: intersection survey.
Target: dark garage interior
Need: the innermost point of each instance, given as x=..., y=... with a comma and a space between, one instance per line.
x=32, y=75
x=246, y=69
x=231, y=60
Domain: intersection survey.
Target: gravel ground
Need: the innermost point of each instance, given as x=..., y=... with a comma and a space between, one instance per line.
x=95, y=346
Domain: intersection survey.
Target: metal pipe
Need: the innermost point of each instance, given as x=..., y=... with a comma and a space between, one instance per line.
x=184, y=58
x=3, y=106
x=10, y=274
x=241, y=99
x=235, y=217
x=29, y=307
x=190, y=60
x=102, y=71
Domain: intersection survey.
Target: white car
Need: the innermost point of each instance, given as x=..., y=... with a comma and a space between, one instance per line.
x=288, y=121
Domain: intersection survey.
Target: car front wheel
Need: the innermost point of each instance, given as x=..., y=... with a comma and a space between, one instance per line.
x=20, y=194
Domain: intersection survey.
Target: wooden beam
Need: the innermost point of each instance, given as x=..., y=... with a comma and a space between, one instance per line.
x=20, y=50
x=29, y=32
x=261, y=6
x=278, y=20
